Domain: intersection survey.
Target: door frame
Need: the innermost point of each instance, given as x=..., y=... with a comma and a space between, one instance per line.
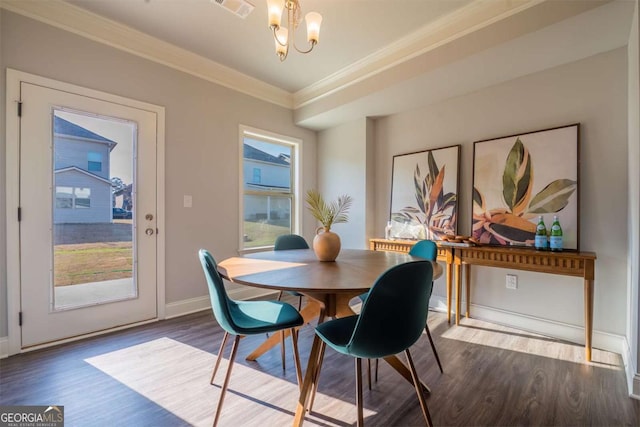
x=14, y=79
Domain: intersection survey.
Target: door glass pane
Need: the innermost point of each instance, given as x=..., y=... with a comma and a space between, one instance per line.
x=93, y=205
x=265, y=218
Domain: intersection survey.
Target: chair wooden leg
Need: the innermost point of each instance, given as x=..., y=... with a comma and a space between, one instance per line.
x=433, y=347
x=296, y=356
x=418, y=387
x=215, y=368
x=359, y=392
x=232, y=358
x=316, y=378
x=376, y=377
x=280, y=295
x=300, y=303
x=369, y=373
x=282, y=351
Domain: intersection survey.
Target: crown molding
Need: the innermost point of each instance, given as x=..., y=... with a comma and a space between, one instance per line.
x=89, y=25
x=474, y=16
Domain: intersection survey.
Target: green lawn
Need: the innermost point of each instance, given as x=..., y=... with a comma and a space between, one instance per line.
x=92, y=262
x=263, y=234
x=97, y=262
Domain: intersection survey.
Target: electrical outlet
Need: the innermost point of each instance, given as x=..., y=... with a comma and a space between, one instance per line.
x=512, y=281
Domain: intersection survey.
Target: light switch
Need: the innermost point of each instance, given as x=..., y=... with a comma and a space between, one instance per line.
x=187, y=201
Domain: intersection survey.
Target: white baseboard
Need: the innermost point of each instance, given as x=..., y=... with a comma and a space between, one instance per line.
x=633, y=379
x=636, y=387
x=550, y=328
x=601, y=340
x=4, y=347
x=186, y=306
x=193, y=305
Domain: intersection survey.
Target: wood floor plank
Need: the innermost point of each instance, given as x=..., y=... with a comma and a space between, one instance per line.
x=494, y=376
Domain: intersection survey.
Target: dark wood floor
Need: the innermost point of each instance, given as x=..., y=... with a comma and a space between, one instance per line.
x=494, y=376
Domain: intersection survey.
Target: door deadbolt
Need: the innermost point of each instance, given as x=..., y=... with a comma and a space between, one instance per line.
x=148, y=217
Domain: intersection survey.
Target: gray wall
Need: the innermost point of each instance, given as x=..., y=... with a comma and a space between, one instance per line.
x=593, y=92
x=202, y=152
x=345, y=153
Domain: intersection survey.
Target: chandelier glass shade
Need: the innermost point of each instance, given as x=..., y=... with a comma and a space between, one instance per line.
x=283, y=35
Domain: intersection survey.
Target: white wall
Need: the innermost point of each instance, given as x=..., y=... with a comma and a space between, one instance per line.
x=343, y=152
x=593, y=92
x=633, y=332
x=202, y=152
x=3, y=197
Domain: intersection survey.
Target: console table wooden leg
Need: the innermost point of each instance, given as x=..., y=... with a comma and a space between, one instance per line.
x=588, y=317
x=467, y=278
x=449, y=290
x=458, y=291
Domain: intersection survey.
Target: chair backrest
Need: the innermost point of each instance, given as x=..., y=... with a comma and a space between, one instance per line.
x=395, y=312
x=220, y=302
x=290, y=241
x=426, y=249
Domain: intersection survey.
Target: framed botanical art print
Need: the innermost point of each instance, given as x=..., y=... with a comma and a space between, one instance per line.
x=518, y=178
x=424, y=194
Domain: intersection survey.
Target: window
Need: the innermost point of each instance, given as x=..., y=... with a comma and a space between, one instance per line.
x=64, y=197
x=73, y=197
x=94, y=161
x=269, y=187
x=257, y=176
x=82, y=198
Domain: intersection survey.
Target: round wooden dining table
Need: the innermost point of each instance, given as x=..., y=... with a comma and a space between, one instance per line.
x=329, y=286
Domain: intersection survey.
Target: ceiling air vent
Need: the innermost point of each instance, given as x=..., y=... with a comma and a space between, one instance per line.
x=241, y=8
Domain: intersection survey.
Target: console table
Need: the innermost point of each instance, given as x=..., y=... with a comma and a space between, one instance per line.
x=576, y=264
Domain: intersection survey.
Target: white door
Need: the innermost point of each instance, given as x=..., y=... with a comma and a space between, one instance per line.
x=87, y=214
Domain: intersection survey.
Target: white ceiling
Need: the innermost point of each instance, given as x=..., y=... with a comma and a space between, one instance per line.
x=375, y=57
x=351, y=30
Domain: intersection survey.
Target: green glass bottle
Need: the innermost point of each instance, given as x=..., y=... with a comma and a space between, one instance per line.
x=541, y=235
x=555, y=241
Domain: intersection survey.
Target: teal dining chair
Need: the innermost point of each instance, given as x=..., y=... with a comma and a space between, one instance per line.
x=287, y=242
x=241, y=318
x=283, y=243
x=426, y=249
x=391, y=320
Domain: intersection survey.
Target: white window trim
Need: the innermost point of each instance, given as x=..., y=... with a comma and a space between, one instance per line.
x=296, y=205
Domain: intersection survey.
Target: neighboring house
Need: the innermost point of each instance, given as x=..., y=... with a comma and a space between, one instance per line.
x=265, y=172
x=81, y=168
x=123, y=198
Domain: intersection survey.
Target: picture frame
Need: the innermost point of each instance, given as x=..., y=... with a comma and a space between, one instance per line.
x=517, y=178
x=424, y=194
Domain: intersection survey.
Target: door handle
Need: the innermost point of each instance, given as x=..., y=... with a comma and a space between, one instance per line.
x=148, y=231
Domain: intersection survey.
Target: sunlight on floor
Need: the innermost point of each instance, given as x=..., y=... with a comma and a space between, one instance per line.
x=498, y=336
x=176, y=376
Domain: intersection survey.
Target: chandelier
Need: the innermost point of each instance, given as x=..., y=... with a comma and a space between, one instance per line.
x=281, y=34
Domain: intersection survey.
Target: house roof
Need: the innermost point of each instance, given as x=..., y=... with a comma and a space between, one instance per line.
x=255, y=154
x=65, y=127
x=77, y=169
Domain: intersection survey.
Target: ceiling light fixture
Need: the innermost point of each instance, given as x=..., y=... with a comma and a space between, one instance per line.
x=281, y=34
